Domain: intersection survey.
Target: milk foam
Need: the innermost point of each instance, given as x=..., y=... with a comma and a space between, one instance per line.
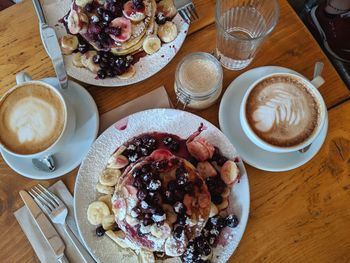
x=32, y=120
x=281, y=107
x=282, y=111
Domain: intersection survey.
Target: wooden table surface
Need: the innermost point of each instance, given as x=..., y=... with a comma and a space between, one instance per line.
x=298, y=216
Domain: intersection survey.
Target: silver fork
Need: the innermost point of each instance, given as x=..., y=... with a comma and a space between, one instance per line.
x=57, y=211
x=186, y=10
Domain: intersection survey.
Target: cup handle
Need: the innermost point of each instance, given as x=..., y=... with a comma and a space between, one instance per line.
x=318, y=81
x=22, y=77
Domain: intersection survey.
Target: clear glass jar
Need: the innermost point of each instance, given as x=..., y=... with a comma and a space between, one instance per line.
x=198, y=80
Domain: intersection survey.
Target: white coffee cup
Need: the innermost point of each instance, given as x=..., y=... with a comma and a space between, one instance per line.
x=69, y=118
x=312, y=87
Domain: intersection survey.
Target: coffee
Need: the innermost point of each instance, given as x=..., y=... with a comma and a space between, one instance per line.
x=32, y=118
x=282, y=111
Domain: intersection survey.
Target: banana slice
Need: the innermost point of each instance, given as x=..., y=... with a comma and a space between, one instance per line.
x=167, y=32
x=128, y=74
x=96, y=212
x=104, y=189
x=83, y=3
x=107, y=199
x=88, y=62
x=108, y=222
x=151, y=44
x=68, y=43
x=226, y=192
x=223, y=205
x=76, y=60
x=213, y=210
x=146, y=256
x=109, y=177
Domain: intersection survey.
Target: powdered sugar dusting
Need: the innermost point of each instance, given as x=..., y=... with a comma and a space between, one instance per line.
x=163, y=120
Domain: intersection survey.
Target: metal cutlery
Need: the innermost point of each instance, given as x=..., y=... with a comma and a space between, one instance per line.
x=50, y=42
x=186, y=10
x=48, y=231
x=57, y=211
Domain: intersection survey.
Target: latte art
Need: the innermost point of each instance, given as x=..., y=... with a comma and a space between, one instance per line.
x=282, y=111
x=31, y=119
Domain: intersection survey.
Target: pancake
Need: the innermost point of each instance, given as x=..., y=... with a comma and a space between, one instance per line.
x=155, y=236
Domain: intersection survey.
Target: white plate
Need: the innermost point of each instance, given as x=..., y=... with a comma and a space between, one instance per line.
x=250, y=153
x=163, y=120
x=87, y=121
x=145, y=68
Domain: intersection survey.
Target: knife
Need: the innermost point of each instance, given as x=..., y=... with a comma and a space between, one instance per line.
x=50, y=42
x=47, y=230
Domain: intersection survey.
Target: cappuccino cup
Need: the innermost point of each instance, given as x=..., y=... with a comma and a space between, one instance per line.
x=283, y=112
x=36, y=119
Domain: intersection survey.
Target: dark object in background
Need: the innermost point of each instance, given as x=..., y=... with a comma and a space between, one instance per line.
x=5, y=4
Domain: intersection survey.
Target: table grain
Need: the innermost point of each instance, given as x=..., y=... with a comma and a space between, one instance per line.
x=298, y=216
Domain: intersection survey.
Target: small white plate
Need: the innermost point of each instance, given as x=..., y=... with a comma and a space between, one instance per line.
x=172, y=121
x=87, y=123
x=145, y=68
x=250, y=153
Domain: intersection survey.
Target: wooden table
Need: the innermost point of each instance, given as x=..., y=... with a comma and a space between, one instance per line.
x=298, y=216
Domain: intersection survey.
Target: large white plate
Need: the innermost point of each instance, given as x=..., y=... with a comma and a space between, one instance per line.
x=164, y=120
x=145, y=68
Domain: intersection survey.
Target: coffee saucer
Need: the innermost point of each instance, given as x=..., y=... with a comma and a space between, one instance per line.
x=249, y=152
x=87, y=123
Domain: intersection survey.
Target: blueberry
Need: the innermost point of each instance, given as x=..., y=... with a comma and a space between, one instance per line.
x=138, y=183
x=206, y=250
x=110, y=73
x=160, y=18
x=169, y=197
x=211, y=239
x=82, y=47
x=141, y=194
x=88, y=7
x=178, y=232
x=136, y=211
x=104, y=65
x=231, y=221
x=101, y=74
x=94, y=19
x=179, y=194
x=181, y=219
x=96, y=59
x=182, y=176
x=146, y=168
x=172, y=185
x=146, y=177
x=99, y=11
x=139, y=232
x=100, y=231
x=111, y=7
x=161, y=165
x=147, y=221
x=216, y=199
x=189, y=188
x=179, y=208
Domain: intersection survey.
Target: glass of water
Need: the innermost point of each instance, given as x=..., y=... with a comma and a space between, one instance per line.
x=241, y=27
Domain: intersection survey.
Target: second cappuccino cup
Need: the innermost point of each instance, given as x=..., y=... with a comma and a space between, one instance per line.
x=283, y=112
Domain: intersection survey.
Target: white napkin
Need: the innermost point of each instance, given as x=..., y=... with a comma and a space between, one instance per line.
x=157, y=98
x=34, y=236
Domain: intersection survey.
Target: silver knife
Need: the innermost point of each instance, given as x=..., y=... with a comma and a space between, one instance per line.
x=47, y=230
x=50, y=42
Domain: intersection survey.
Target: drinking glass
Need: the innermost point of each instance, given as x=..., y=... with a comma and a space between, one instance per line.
x=241, y=27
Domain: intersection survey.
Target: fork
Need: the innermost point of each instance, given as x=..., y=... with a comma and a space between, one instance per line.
x=57, y=211
x=186, y=10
